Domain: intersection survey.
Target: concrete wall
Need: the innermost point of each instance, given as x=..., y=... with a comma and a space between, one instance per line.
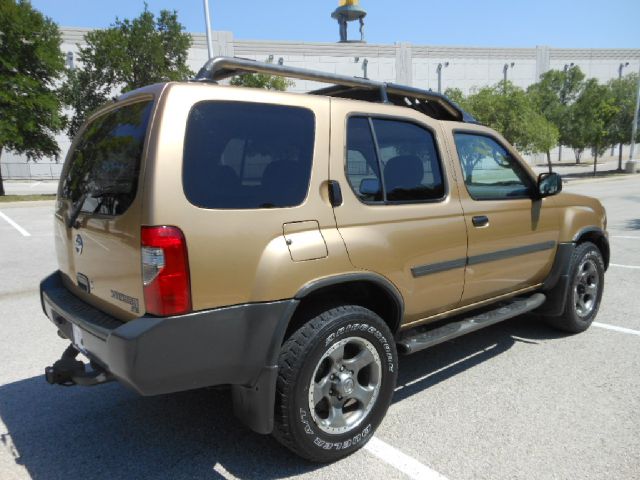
x=469, y=67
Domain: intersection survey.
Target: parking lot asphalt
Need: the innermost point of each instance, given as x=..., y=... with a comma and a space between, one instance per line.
x=516, y=400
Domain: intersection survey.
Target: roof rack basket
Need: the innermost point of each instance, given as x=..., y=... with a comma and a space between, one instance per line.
x=430, y=103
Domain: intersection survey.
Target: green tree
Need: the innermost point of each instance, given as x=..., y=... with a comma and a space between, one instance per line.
x=262, y=80
x=455, y=94
x=509, y=110
x=624, y=93
x=553, y=95
x=591, y=118
x=30, y=64
x=128, y=55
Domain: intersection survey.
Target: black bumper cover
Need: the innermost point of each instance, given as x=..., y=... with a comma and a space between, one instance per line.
x=236, y=346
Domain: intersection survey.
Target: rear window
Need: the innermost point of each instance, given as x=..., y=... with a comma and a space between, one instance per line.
x=241, y=155
x=105, y=164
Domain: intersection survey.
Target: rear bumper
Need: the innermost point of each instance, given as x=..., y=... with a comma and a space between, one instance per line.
x=236, y=345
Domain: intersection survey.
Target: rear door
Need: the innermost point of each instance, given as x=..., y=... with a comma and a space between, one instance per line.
x=99, y=253
x=401, y=215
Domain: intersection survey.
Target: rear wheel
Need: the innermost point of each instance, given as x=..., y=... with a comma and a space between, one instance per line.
x=586, y=277
x=336, y=377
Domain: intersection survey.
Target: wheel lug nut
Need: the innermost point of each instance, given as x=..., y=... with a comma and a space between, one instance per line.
x=339, y=397
x=342, y=369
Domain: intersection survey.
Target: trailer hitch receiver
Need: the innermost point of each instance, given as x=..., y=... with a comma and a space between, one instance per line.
x=69, y=371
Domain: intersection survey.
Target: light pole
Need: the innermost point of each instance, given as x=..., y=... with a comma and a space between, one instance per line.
x=207, y=20
x=620, y=67
x=439, y=70
x=634, y=129
x=69, y=61
x=365, y=65
x=563, y=99
x=505, y=71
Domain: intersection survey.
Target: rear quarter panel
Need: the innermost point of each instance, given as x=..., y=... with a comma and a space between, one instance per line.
x=240, y=256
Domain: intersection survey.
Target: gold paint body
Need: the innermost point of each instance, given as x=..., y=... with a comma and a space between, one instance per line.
x=261, y=255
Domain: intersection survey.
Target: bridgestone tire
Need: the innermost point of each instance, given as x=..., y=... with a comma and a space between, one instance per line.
x=586, y=262
x=311, y=349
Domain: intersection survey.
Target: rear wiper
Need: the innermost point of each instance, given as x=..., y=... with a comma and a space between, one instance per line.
x=75, y=210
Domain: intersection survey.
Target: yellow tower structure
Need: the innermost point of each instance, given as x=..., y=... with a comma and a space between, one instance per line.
x=349, y=11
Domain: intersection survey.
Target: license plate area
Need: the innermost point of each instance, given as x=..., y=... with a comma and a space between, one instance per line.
x=78, y=338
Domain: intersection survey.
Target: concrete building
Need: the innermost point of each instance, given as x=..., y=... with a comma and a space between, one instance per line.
x=466, y=68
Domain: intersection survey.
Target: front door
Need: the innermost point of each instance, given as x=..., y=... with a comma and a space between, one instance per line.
x=512, y=238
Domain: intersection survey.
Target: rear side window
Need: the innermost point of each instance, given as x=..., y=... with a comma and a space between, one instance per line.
x=241, y=155
x=105, y=164
x=392, y=161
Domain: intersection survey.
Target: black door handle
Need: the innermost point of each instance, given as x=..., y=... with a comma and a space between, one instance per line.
x=335, y=193
x=480, y=221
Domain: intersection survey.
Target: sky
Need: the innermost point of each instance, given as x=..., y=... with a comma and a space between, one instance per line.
x=490, y=23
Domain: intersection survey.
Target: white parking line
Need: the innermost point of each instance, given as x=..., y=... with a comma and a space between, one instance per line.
x=615, y=328
x=223, y=472
x=625, y=236
x=15, y=225
x=401, y=461
x=440, y=370
x=623, y=266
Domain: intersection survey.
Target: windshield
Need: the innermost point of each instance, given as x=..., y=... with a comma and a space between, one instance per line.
x=102, y=176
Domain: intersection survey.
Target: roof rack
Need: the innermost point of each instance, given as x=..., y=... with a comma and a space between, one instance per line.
x=430, y=103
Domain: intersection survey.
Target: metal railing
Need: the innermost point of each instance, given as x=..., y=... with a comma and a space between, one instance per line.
x=30, y=171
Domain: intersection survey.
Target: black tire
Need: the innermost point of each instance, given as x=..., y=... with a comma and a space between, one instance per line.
x=308, y=354
x=586, y=271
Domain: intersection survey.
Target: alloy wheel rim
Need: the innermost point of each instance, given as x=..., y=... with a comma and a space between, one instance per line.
x=345, y=385
x=585, y=290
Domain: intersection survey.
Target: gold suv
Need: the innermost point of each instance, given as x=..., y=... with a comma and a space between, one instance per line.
x=289, y=245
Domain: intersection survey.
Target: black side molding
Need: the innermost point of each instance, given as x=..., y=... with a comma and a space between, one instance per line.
x=428, y=269
x=511, y=252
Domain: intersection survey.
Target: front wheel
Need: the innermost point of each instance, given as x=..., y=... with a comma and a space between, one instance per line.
x=336, y=377
x=586, y=277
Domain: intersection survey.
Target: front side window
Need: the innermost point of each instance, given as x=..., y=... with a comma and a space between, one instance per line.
x=240, y=155
x=490, y=172
x=105, y=163
x=392, y=161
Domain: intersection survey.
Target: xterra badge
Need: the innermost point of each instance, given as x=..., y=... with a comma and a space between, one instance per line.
x=131, y=301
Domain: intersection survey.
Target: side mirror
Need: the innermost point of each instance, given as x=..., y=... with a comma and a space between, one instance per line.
x=369, y=186
x=549, y=184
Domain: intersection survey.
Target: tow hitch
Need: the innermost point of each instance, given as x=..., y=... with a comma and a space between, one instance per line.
x=68, y=371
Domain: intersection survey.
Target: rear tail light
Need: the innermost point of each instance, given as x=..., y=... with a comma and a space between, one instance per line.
x=165, y=271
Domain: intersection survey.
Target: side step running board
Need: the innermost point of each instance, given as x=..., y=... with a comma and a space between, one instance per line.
x=423, y=337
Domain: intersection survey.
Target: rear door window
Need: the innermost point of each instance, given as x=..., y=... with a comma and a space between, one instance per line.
x=240, y=155
x=105, y=164
x=392, y=161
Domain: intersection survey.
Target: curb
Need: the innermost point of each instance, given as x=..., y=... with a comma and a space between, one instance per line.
x=27, y=203
x=621, y=176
